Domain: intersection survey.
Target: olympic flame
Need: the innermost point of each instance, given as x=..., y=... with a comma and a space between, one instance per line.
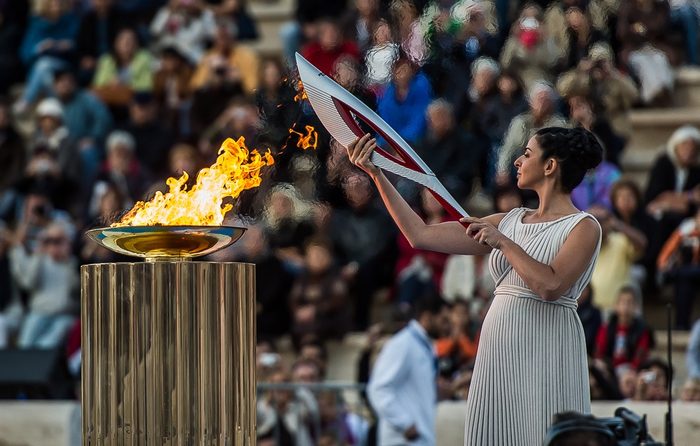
x=235, y=170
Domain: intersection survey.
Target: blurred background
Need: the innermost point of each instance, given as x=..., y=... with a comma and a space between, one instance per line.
x=102, y=100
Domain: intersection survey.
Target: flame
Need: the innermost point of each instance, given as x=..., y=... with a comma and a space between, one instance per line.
x=301, y=95
x=308, y=141
x=235, y=170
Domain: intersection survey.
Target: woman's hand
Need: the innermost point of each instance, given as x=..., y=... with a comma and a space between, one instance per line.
x=360, y=151
x=484, y=232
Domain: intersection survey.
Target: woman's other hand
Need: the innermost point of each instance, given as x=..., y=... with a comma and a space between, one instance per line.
x=360, y=152
x=484, y=232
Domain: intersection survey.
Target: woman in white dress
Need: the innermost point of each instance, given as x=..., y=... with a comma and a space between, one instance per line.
x=531, y=362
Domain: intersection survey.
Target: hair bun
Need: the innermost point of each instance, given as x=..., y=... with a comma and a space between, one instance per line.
x=589, y=151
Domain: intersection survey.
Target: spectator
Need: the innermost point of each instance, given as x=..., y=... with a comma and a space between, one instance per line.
x=52, y=134
x=171, y=88
x=184, y=158
x=603, y=382
x=97, y=32
x=12, y=155
x=679, y=260
x=653, y=381
x=128, y=69
x=49, y=274
x=406, y=100
x=691, y=390
x=625, y=339
x=363, y=238
x=338, y=423
x=621, y=245
x=13, y=18
x=87, y=119
x=581, y=33
x=418, y=272
x=405, y=15
x=684, y=13
x=458, y=350
x=275, y=101
x=348, y=74
x=233, y=61
x=380, y=57
x=304, y=27
x=319, y=296
x=239, y=119
x=106, y=206
x=642, y=29
x=401, y=387
x=153, y=140
x=542, y=113
x=471, y=106
x=530, y=52
x=329, y=46
x=122, y=169
x=48, y=45
x=590, y=316
x=587, y=114
x=184, y=24
x=236, y=11
x=315, y=350
x=692, y=358
x=359, y=22
x=609, y=89
x=452, y=153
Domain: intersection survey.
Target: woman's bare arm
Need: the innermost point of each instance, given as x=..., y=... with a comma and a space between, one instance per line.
x=449, y=237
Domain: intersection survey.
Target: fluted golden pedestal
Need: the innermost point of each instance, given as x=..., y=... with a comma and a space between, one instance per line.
x=168, y=353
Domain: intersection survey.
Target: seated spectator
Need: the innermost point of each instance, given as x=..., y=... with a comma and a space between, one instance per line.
x=338, y=423
x=679, y=261
x=87, y=119
x=319, y=296
x=406, y=14
x=106, y=207
x=642, y=29
x=542, y=113
x=405, y=101
x=584, y=112
x=458, y=350
x=13, y=18
x=364, y=241
x=275, y=100
x=691, y=390
x=597, y=184
x=471, y=106
x=153, y=140
x=13, y=155
x=603, y=382
x=692, y=358
x=49, y=274
x=612, y=91
x=48, y=45
x=315, y=350
x=184, y=158
x=580, y=32
x=380, y=57
x=227, y=59
x=626, y=201
x=97, y=32
x=126, y=70
x=451, y=152
x=236, y=11
x=684, y=14
x=52, y=134
x=591, y=317
x=329, y=46
x=360, y=21
x=417, y=271
x=184, y=24
x=652, y=381
x=272, y=296
x=621, y=246
x=347, y=73
x=287, y=223
x=528, y=51
x=625, y=339
x=122, y=168
x=171, y=88
x=239, y=119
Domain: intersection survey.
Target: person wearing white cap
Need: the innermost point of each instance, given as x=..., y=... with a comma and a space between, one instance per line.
x=54, y=136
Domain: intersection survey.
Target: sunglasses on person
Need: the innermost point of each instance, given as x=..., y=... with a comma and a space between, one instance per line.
x=53, y=240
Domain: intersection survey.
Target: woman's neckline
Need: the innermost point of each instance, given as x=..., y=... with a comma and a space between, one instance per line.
x=526, y=210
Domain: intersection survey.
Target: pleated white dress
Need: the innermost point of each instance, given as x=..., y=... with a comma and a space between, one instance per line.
x=531, y=362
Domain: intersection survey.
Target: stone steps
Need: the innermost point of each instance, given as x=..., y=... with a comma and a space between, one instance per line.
x=270, y=15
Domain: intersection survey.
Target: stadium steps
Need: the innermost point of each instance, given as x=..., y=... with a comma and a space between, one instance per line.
x=270, y=15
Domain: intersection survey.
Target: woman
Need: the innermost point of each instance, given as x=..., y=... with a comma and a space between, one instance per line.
x=532, y=353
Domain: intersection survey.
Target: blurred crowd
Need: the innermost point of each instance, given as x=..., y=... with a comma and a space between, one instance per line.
x=101, y=100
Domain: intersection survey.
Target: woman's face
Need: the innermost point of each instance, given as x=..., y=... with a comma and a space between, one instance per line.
x=507, y=85
x=625, y=201
x=687, y=152
x=271, y=75
x=530, y=165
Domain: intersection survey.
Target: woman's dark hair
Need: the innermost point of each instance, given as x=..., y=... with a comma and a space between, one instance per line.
x=577, y=151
